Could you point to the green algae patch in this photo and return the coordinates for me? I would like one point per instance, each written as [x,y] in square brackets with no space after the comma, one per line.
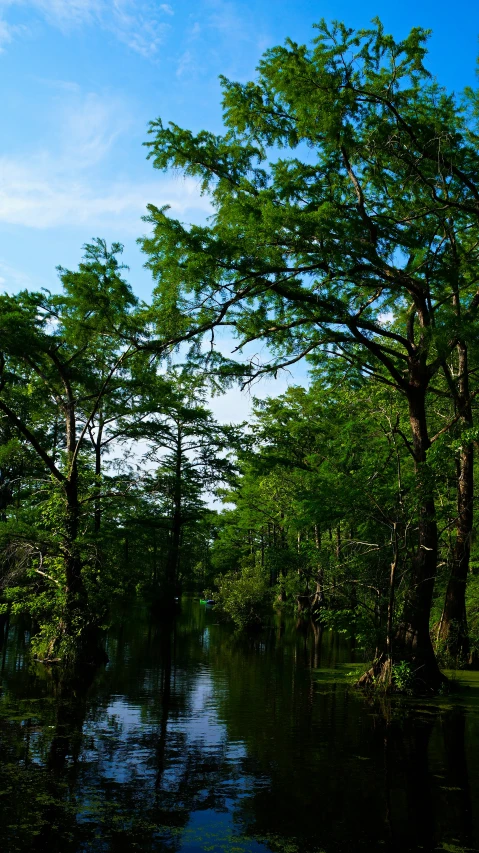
[278,844]
[342,673]
[464,679]
[463,688]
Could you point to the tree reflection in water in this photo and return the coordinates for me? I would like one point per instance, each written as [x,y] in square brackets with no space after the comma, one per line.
[194,739]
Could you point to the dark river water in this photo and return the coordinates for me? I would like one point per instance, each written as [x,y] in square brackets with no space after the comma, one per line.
[192,739]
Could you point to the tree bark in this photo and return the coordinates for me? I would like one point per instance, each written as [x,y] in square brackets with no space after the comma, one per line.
[453,633]
[173,560]
[97,522]
[318,596]
[75,590]
[392,586]
[412,641]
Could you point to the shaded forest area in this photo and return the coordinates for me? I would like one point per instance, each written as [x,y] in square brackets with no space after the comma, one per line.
[344,231]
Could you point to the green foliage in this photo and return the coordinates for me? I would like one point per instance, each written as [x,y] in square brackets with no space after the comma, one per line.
[244,597]
[472,605]
[345,212]
[403,676]
[79,530]
[356,623]
[344,190]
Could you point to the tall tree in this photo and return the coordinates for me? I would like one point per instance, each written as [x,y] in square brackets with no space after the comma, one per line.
[191,451]
[53,342]
[358,243]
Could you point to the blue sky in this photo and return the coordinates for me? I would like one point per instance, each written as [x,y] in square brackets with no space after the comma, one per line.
[81,79]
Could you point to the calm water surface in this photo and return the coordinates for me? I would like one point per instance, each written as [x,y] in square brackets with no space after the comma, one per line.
[192,739]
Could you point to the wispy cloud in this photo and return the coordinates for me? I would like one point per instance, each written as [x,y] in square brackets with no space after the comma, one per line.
[187,64]
[140,24]
[12,277]
[5,34]
[61,85]
[221,28]
[61,186]
[8,32]
[41,196]
[65,13]
[89,127]
[225,18]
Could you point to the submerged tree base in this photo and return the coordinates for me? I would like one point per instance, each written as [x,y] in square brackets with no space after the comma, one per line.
[402,677]
[58,645]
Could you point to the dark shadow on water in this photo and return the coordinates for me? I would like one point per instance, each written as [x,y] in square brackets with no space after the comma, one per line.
[196,739]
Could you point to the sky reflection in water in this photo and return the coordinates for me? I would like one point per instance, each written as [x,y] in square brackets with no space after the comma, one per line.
[195,740]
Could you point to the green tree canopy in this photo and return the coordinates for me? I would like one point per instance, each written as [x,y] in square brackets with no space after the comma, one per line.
[345,202]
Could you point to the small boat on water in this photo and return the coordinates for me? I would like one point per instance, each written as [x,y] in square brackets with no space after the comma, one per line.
[209,601]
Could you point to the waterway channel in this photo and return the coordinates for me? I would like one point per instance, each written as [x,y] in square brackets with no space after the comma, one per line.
[197,740]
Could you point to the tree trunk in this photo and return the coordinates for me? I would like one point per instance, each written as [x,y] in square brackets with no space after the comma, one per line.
[74,582]
[412,642]
[282,568]
[318,596]
[76,598]
[173,560]
[392,585]
[155,568]
[453,625]
[97,523]
[72,563]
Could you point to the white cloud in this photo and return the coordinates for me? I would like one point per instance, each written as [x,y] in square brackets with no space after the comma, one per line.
[61,13]
[137,24]
[226,19]
[12,278]
[43,194]
[187,64]
[140,24]
[61,85]
[6,34]
[66,13]
[90,126]
[65,186]
[8,31]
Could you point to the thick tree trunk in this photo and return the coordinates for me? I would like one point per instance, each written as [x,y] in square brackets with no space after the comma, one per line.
[453,633]
[318,596]
[412,641]
[453,626]
[97,523]
[392,589]
[76,622]
[72,563]
[74,582]
[172,566]
[174,551]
